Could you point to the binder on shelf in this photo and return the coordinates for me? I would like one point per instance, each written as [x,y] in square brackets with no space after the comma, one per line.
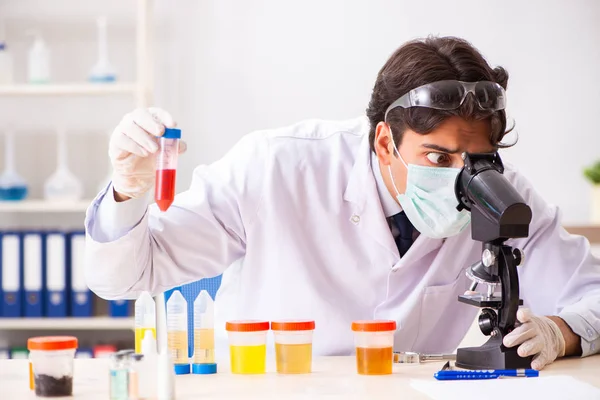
[33,257]
[118,308]
[10,265]
[4,354]
[56,275]
[84,352]
[81,296]
[19,353]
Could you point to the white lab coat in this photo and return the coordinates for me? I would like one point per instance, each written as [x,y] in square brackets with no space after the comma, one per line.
[292,218]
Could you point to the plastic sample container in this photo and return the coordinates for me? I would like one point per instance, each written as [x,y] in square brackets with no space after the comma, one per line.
[247,346]
[51,359]
[166,168]
[293,346]
[374,341]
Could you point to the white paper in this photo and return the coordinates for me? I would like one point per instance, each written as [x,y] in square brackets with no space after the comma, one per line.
[557,387]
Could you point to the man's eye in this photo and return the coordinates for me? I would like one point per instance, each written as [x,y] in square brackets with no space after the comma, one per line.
[438,158]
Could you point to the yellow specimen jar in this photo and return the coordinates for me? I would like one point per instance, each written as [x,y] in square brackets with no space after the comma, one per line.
[247,346]
[293,346]
[374,342]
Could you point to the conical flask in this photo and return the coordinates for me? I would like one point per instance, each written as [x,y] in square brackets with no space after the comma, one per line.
[62,185]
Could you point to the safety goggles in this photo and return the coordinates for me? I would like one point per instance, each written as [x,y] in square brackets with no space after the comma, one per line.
[449,95]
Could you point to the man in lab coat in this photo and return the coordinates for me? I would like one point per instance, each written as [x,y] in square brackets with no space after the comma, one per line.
[347,220]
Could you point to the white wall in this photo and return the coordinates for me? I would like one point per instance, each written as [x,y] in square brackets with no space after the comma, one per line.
[227,67]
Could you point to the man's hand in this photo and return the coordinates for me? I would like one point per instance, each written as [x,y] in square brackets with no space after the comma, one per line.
[540,337]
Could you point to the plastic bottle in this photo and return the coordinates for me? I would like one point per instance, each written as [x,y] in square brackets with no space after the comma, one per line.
[177,331]
[145,319]
[204,335]
[166,374]
[12,186]
[102,71]
[38,70]
[62,185]
[166,167]
[148,368]
[6,64]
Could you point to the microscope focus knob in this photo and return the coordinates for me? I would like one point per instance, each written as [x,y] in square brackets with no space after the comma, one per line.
[487,321]
[488,258]
[519,256]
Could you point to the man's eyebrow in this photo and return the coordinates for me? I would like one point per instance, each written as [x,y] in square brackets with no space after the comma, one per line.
[440,148]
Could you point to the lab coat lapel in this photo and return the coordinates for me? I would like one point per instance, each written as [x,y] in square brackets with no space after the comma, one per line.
[362,192]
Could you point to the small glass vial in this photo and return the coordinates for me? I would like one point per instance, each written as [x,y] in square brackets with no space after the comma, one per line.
[135,366]
[166,167]
[119,376]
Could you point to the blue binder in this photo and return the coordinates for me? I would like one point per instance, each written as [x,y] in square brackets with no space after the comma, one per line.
[84,352]
[118,308]
[55,288]
[33,257]
[10,265]
[81,296]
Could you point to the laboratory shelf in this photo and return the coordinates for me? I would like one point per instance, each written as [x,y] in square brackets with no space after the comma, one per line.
[44,206]
[92,323]
[84,89]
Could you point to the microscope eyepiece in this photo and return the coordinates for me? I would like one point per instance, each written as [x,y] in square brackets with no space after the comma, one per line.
[498,211]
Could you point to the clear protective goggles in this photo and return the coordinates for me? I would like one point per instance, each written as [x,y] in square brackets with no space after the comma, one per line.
[449,95]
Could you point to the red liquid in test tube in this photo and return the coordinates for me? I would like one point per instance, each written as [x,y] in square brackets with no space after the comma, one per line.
[166,167]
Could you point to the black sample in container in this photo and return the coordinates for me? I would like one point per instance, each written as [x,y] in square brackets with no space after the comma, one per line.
[49,386]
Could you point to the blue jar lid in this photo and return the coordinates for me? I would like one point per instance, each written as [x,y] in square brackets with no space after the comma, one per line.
[182,369]
[172,133]
[204,369]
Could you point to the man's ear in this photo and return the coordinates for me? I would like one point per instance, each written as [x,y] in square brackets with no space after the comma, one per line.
[384,148]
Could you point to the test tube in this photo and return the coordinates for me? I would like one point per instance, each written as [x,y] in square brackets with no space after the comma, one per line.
[177,335]
[145,318]
[166,166]
[204,335]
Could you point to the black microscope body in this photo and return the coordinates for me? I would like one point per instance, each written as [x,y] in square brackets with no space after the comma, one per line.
[498,213]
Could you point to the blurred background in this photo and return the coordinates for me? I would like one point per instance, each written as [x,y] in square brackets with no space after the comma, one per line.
[224,68]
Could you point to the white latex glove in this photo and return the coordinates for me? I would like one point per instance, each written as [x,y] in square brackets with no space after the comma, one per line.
[539,336]
[132,149]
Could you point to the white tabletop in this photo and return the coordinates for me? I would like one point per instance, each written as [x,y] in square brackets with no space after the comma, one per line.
[332,378]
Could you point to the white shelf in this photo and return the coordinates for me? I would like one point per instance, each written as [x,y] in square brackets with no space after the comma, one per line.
[92,323]
[44,206]
[85,89]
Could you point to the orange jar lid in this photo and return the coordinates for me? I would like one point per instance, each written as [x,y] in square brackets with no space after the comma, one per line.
[374,326]
[247,326]
[52,343]
[293,325]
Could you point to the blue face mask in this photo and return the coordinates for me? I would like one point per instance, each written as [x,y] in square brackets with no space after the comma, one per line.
[429,201]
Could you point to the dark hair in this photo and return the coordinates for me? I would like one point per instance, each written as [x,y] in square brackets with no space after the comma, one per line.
[429,60]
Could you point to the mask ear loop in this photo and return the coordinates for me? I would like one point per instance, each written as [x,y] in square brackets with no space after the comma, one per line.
[399,156]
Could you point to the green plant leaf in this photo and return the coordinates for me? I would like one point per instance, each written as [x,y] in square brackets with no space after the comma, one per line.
[593,173]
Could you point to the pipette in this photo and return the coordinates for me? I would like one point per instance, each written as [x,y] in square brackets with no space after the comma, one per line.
[12,186]
[103,71]
[145,319]
[204,335]
[62,185]
[177,329]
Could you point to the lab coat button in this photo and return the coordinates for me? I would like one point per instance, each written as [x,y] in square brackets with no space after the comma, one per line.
[589,332]
[355,219]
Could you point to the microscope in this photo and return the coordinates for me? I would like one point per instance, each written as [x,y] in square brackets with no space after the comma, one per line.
[498,213]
